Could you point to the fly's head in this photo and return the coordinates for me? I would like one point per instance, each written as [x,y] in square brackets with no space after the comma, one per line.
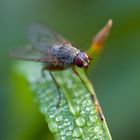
[81,60]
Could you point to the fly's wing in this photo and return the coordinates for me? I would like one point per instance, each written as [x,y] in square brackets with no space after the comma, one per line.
[30,54]
[42,38]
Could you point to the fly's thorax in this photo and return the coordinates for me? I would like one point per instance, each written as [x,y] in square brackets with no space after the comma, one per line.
[65,53]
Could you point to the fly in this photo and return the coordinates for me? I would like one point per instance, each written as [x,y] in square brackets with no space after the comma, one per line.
[51,48]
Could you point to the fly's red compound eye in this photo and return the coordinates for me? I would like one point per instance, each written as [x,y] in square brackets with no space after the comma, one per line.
[81,60]
[78,61]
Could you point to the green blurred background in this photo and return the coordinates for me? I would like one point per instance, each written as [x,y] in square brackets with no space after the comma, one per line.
[116,76]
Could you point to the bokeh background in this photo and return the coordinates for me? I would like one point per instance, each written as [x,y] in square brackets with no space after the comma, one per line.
[116,76]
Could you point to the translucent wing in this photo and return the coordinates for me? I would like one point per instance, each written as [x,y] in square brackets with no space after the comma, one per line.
[30,54]
[42,38]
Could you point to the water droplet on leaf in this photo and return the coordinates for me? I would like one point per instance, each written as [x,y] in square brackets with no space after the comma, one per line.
[80,121]
[59,118]
[77,132]
[53,126]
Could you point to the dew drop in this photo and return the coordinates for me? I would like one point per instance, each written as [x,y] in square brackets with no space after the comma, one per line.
[97,129]
[70,127]
[87,95]
[98,137]
[43,109]
[77,132]
[82,112]
[88,108]
[84,103]
[93,118]
[87,138]
[63,138]
[66,120]
[59,118]
[92,112]
[78,101]
[91,135]
[76,110]
[67,123]
[61,126]
[80,121]
[53,126]
[52,116]
[89,123]
[68,133]
[89,102]
[63,132]
[63,102]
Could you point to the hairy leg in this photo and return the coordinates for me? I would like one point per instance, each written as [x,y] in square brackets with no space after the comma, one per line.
[58,89]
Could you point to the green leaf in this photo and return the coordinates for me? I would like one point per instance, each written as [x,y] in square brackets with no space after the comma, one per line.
[78,115]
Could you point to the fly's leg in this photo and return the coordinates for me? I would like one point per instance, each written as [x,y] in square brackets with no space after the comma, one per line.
[58,88]
[42,72]
[55,82]
[74,70]
[93,98]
